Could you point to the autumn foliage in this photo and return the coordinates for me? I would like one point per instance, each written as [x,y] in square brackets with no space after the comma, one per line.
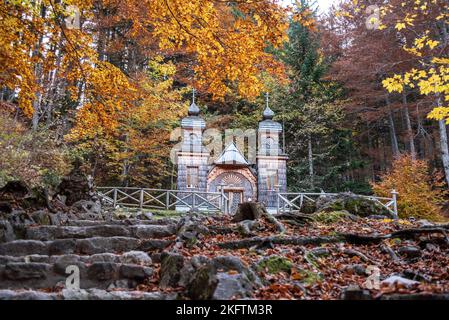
[420,195]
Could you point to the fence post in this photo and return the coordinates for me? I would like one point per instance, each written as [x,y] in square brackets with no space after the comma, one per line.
[193,201]
[141,199]
[167,200]
[223,201]
[115,197]
[395,203]
[277,203]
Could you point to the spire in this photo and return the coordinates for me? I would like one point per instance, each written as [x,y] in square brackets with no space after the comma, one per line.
[268,114]
[193,109]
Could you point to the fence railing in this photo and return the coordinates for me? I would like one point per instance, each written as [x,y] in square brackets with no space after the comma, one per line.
[191,200]
[159,199]
[290,201]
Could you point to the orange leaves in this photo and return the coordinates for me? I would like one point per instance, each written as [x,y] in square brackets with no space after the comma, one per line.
[228,40]
[413,182]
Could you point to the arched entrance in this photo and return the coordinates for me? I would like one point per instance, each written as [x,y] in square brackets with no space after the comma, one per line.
[238,184]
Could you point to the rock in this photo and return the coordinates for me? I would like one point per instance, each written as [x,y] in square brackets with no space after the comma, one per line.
[170,272]
[432,247]
[354,204]
[104,257]
[136,257]
[88,208]
[41,217]
[62,246]
[154,244]
[26,271]
[72,294]
[23,248]
[233,286]
[410,252]
[354,292]
[62,262]
[6,231]
[26,295]
[150,231]
[75,187]
[230,263]
[275,264]
[14,190]
[203,284]
[135,272]
[5,207]
[101,244]
[308,206]
[397,280]
[103,271]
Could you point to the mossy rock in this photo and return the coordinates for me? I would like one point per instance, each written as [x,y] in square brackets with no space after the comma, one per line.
[308,207]
[275,264]
[353,204]
[308,277]
[330,217]
[203,284]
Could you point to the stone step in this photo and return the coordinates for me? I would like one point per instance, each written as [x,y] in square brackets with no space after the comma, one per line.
[88,246]
[77,232]
[90,294]
[102,275]
[127,222]
[130,257]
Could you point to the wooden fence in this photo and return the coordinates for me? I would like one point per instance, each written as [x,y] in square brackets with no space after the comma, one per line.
[160,199]
[290,201]
[145,198]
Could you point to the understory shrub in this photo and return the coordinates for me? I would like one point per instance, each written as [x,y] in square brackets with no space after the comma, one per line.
[421,194]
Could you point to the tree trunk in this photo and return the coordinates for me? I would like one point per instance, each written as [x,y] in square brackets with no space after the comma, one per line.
[394,139]
[310,158]
[408,127]
[444,148]
[38,77]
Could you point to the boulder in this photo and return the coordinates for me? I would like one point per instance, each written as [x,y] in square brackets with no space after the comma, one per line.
[75,187]
[354,204]
[170,272]
[275,264]
[136,257]
[236,286]
[88,208]
[203,283]
[103,271]
[6,231]
[135,272]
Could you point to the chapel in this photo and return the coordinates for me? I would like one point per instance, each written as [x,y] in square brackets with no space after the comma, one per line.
[230,171]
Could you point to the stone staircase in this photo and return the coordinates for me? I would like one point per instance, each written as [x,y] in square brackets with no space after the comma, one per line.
[113,258]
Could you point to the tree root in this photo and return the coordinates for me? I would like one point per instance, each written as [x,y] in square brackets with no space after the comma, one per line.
[346,237]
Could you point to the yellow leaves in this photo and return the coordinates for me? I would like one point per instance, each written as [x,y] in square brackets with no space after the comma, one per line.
[440,60]
[432,43]
[399,26]
[439,113]
[394,84]
[412,181]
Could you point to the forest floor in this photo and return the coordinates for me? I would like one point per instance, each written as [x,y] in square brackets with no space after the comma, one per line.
[322,260]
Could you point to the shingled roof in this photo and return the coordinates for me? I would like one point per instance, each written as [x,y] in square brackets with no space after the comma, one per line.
[231,155]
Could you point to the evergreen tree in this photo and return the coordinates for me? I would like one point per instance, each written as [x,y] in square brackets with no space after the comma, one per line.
[321,153]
